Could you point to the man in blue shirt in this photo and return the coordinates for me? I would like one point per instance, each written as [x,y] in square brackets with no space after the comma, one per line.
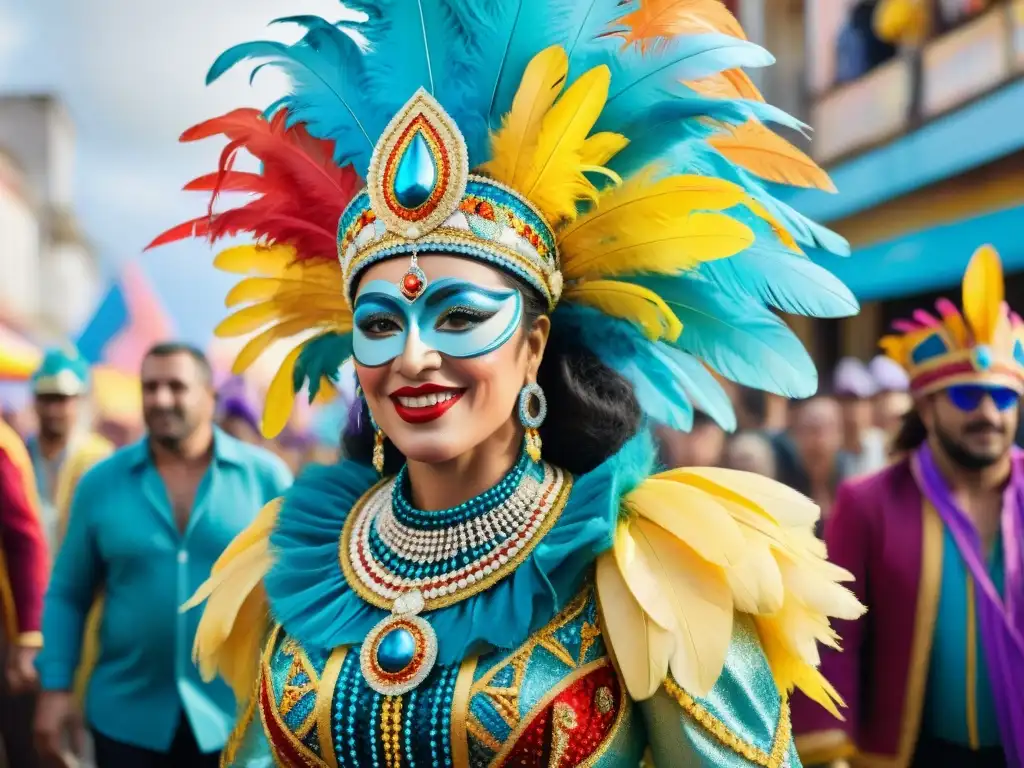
[146,526]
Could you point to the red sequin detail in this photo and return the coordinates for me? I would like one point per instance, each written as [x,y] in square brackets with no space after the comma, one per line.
[592,726]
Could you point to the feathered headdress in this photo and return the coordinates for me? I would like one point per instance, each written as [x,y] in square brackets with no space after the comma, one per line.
[611,154]
[985,344]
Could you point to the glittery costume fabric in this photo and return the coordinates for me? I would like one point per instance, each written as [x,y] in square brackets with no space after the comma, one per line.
[557,700]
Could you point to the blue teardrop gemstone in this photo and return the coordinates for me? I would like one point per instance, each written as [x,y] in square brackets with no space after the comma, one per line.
[416,175]
[396,650]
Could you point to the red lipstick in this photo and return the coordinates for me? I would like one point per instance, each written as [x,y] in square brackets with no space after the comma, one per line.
[422,412]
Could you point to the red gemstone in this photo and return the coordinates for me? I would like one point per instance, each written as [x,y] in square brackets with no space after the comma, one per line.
[411,284]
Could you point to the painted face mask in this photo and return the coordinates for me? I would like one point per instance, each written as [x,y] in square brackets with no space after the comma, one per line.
[454,317]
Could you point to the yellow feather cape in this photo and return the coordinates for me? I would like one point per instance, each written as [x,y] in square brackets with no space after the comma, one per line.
[693,547]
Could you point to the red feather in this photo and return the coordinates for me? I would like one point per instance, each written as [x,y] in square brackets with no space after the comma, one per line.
[301,191]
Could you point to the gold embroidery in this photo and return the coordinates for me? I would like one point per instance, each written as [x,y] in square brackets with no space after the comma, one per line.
[238,733]
[482,585]
[505,699]
[309,758]
[292,693]
[563,721]
[460,713]
[568,681]
[718,729]
[972,671]
[588,634]
[324,699]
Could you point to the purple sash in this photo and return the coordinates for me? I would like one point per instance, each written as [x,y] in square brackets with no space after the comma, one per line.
[1001,619]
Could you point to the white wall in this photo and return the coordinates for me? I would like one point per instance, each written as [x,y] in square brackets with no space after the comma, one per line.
[70,285]
[19,252]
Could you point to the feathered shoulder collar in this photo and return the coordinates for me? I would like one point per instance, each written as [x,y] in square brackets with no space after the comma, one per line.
[677,555]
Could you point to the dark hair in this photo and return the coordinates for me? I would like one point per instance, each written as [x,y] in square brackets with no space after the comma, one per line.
[912,434]
[169,348]
[592,410]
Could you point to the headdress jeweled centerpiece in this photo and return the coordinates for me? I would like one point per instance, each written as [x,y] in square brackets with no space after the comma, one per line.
[420,197]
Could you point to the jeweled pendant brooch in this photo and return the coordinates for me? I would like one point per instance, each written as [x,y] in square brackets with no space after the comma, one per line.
[401,650]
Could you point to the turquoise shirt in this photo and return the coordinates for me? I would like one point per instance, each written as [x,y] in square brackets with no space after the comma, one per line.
[122,539]
[947,712]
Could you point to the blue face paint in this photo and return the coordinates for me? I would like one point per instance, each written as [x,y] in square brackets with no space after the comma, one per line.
[454,317]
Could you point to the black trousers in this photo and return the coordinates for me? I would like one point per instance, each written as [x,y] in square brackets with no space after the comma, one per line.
[934,753]
[184,753]
[16,747]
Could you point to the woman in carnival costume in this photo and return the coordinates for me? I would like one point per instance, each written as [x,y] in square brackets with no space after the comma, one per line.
[550,220]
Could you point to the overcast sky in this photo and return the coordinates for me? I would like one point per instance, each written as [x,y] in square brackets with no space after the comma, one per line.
[132,75]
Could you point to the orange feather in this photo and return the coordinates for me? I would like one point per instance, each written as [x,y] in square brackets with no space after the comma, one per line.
[766,154]
[655,22]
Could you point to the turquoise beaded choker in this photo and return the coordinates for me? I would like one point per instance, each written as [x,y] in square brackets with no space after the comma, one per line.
[409,561]
[409,516]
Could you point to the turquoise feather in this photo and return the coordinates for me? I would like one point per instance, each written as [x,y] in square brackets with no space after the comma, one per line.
[321,357]
[667,382]
[736,336]
[327,74]
[642,79]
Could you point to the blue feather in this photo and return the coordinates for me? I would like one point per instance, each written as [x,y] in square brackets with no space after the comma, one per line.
[429,44]
[321,356]
[641,79]
[788,281]
[736,336]
[666,381]
[518,30]
[327,94]
[705,391]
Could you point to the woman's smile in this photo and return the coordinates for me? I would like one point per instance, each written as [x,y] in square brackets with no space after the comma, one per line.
[424,403]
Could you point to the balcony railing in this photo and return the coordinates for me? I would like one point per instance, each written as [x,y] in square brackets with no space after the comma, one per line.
[918,86]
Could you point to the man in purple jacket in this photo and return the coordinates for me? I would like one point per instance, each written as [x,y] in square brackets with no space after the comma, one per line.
[933,674]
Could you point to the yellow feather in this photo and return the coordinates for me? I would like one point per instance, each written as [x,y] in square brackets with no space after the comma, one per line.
[984,294]
[790,508]
[756,581]
[766,154]
[780,231]
[542,82]
[551,175]
[641,202]
[702,604]
[692,516]
[256,316]
[790,671]
[253,289]
[638,576]
[634,303]
[233,624]
[255,259]
[640,647]
[670,247]
[280,400]
[259,343]
[730,84]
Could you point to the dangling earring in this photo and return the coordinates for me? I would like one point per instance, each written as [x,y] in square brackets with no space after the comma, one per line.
[530,420]
[378,438]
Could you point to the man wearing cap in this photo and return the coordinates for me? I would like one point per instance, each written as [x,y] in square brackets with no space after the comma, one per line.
[62,450]
[932,674]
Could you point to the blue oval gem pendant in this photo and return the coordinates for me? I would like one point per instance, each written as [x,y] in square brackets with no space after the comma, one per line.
[399,652]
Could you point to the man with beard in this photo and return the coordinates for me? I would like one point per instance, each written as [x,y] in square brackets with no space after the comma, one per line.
[932,674]
[146,526]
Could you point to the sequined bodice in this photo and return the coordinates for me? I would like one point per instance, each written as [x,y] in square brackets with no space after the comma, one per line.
[555,701]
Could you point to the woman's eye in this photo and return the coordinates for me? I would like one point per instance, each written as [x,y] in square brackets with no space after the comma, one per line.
[380,326]
[461,319]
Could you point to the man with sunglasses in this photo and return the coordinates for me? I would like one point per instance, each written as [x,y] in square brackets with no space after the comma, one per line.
[933,674]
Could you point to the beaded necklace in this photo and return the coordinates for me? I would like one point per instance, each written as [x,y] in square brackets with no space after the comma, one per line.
[407,560]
